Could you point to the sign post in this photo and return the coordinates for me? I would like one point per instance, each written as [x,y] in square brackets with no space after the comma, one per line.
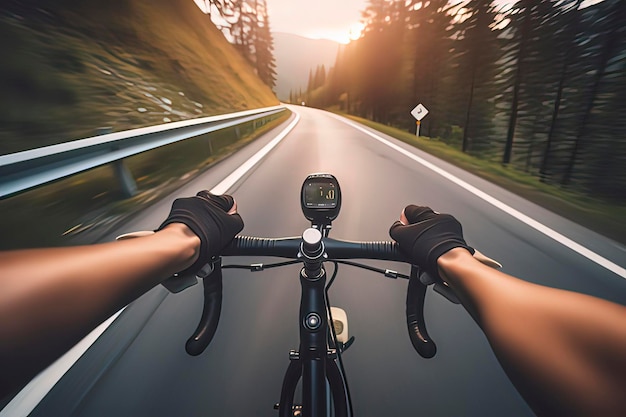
[419,112]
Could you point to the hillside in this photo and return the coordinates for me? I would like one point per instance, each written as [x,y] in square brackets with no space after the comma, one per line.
[70,67]
[296,56]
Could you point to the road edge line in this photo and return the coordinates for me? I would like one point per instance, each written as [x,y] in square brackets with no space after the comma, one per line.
[31,395]
[540,227]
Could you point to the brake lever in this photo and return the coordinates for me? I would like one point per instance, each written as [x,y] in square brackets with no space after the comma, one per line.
[211,275]
[416,325]
[439,286]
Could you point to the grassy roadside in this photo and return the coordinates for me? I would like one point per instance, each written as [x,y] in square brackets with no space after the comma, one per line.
[71,67]
[82,208]
[600,216]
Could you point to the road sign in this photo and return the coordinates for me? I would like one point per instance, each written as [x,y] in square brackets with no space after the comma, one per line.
[419,112]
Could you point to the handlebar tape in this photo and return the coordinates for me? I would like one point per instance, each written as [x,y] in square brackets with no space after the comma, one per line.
[416,325]
[288,247]
[205,331]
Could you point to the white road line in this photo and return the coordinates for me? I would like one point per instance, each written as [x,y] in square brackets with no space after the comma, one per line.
[32,394]
[576,247]
[229,181]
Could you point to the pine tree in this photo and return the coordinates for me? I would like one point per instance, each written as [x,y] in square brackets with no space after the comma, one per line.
[264,46]
[379,58]
[475,57]
[428,62]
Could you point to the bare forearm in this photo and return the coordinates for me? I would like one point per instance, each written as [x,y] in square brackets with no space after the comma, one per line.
[51,298]
[562,350]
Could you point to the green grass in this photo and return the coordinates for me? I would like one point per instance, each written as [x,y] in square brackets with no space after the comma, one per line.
[76,67]
[126,64]
[81,208]
[601,216]
[122,64]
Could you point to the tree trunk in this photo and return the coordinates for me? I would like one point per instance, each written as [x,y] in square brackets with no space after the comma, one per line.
[508,148]
[611,42]
[465,145]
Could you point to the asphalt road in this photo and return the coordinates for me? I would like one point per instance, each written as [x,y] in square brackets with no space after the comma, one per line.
[138,367]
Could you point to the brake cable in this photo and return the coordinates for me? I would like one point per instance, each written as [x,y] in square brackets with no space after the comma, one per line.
[333,333]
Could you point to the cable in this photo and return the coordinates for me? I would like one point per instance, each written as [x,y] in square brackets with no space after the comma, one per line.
[370,268]
[261,267]
[342,370]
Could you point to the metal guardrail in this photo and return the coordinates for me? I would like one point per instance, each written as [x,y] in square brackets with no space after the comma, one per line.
[22,171]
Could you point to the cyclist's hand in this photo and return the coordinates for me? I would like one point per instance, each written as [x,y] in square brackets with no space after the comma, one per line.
[213,218]
[424,236]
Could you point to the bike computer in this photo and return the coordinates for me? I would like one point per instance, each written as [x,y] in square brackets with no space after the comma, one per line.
[320,198]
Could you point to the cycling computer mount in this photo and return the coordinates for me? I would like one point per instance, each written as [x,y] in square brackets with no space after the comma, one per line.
[320,198]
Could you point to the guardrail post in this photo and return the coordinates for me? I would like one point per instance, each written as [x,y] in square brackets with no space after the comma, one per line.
[21,171]
[125,178]
[127,183]
[210,146]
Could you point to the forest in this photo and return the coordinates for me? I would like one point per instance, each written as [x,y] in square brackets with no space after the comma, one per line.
[246,24]
[536,85]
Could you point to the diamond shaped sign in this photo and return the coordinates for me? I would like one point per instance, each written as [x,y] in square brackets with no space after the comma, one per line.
[419,112]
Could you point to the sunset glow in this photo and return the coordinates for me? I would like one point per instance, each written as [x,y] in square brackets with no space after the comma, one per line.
[337,35]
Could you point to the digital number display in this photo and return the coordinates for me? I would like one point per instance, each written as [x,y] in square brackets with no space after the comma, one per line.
[320,198]
[320,194]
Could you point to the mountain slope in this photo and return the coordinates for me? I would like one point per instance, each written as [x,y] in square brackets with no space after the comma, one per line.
[74,66]
[296,56]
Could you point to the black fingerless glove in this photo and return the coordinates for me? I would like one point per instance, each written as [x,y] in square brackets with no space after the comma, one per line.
[207,216]
[427,236]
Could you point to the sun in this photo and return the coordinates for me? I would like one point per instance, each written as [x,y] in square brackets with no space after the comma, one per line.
[343,36]
[356,30]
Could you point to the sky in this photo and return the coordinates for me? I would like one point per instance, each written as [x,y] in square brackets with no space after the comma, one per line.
[337,20]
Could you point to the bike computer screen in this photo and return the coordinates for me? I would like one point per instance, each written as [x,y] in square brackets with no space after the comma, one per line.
[321,197]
